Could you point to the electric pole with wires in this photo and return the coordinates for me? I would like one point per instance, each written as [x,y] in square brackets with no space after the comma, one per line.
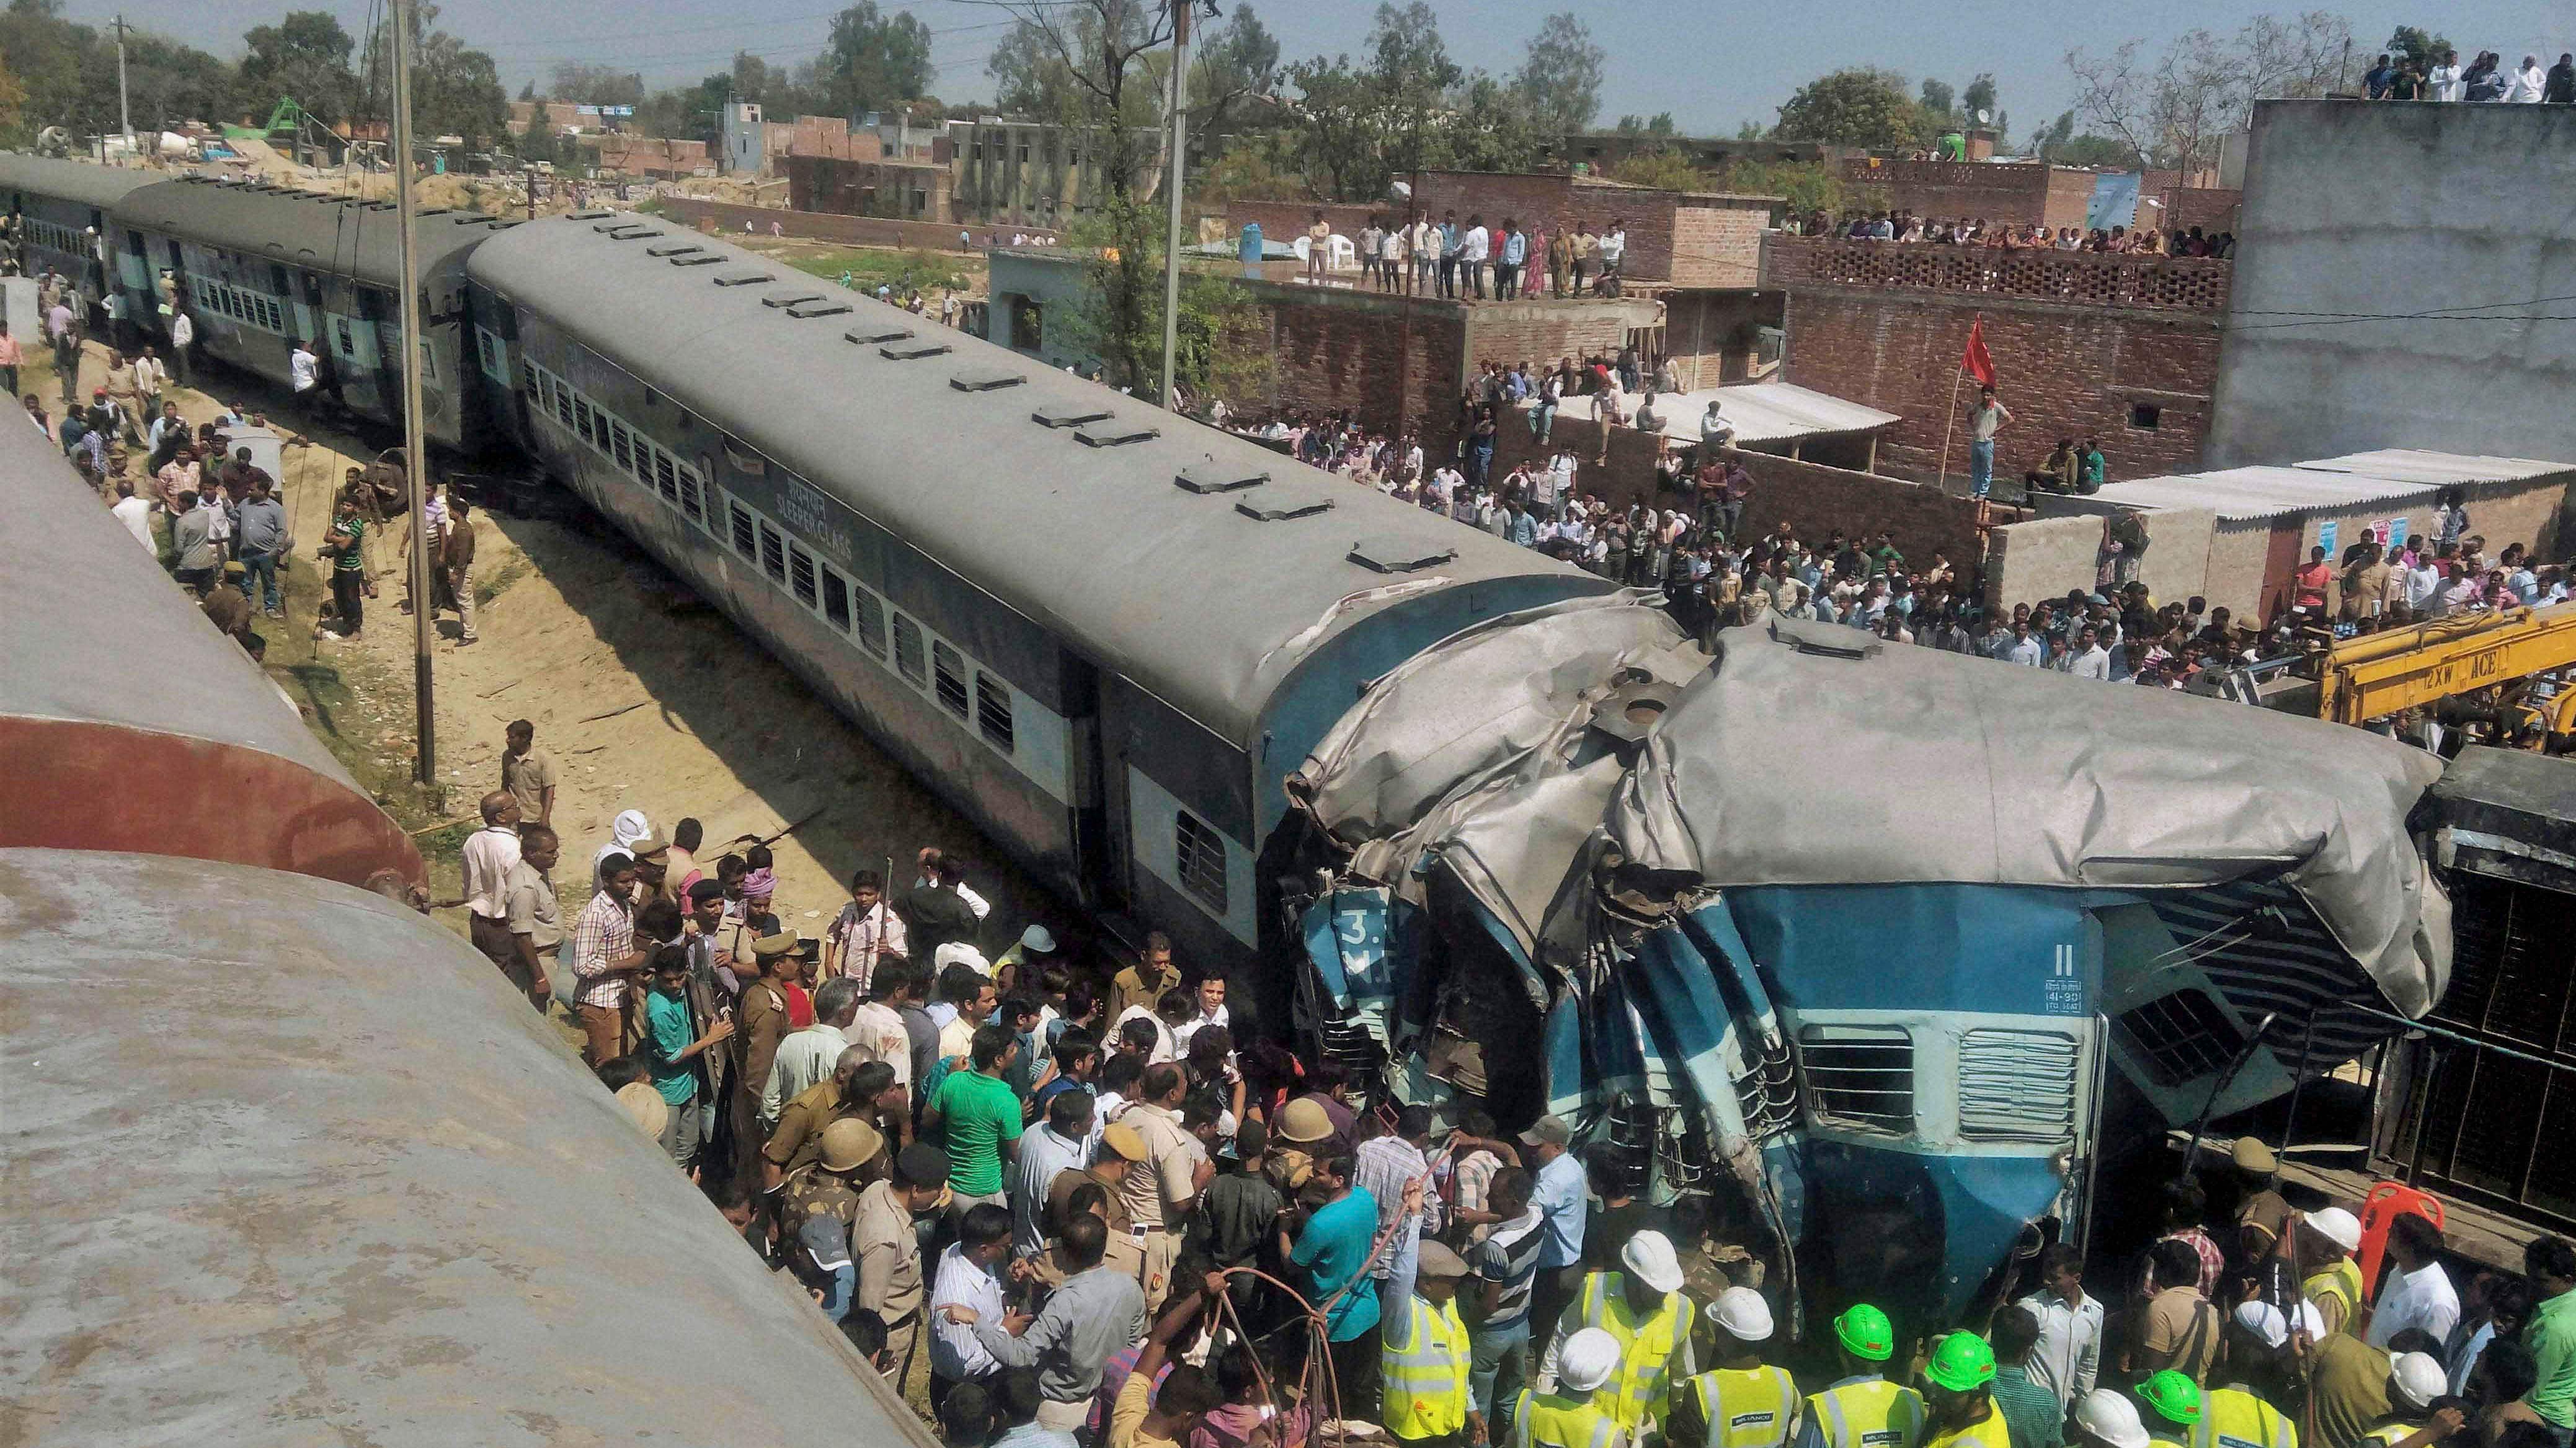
[124,112]
[1180,108]
[424,614]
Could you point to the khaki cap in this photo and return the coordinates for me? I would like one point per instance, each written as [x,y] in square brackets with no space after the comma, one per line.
[1122,1140]
[849,1144]
[778,944]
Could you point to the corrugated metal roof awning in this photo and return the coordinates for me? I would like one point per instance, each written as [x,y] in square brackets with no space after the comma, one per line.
[1766,412]
[2326,485]
[2438,468]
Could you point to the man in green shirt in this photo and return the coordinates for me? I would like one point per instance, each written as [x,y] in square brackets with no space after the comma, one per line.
[2031,1412]
[981,1115]
[2550,1263]
[673,1052]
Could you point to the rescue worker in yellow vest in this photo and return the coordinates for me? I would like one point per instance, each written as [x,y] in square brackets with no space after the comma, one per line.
[1569,1413]
[1958,1404]
[1862,1409]
[2415,1380]
[1422,1374]
[2169,1407]
[2108,1418]
[2241,1415]
[1643,1310]
[1742,1402]
[2328,1277]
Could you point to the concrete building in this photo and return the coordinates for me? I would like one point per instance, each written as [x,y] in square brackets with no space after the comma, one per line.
[745,139]
[1021,173]
[904,190]
[2121,349]
[2396,271]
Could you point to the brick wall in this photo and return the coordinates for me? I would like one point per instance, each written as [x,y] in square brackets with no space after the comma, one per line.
[1348,351]
[2211,208]
[816,226]
[1814,499]
[1717,240]
[2080,278]
[1713,337]
[831,136]
[650,155]
[2064,371]
[2018,193]
[2044,557]
[1510,332]
[867,188]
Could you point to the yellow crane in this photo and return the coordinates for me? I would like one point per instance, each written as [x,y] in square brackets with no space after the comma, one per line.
[2380,674]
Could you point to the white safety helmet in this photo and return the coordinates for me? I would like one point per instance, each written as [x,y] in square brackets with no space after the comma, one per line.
[2337,1226]
[1650,1256]
[2417,1378]
[2108,1417]
[1588,1359]
[1740,1313]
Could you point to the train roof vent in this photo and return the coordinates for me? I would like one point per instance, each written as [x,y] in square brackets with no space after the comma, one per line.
[695,257]
[1208,478]
[812,307]
[382,206]
[591,215]
[993,381]
[503,225]
[744,279]
[1116,434]
[791,299]
[673,248]
[1070,416]
[869,336]
[1275,504]
[913,351]
[469,218]
[1399,555]
[435,211]
[635,233]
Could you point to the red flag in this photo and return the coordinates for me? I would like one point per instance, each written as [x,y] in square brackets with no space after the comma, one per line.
[1977,362]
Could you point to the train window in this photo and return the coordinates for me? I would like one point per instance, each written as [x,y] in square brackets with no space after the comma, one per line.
[993,711]
[1860,1075]
[773,553]
[948,673]
[2181,1037]
[581,419]
[907,651]
[800,575]
[348,346]
[621,446]
[563,403]
[1198,858]
[2017,1085]
[666,477]
[483,348]
[692,500]
[536,390]
[836,600]
[740,517]
[428,359]
[872,624]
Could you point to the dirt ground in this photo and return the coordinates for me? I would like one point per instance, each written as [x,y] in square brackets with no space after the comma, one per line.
[647,698]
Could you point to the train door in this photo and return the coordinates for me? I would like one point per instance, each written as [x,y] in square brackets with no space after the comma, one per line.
[1098,770]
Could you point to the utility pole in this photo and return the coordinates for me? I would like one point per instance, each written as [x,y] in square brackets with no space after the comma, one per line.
[124,112]
[1180,144]
[415,458]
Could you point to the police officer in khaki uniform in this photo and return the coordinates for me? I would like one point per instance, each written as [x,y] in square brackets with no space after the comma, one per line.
[798,1138]
[760,1023]
[887,1248]
[1120,1150]
[830,1187]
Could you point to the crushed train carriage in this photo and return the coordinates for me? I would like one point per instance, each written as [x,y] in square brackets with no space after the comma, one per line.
[1855,946]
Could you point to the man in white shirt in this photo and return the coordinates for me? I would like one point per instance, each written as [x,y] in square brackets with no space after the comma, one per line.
[488,855]
[2088,659]
[966,1279]
[2068,1356]
[2419,1292]
[2444,80]
[2527,81]
[135,514]
[1614,251]
[2022,648]
[809,1055]
[1474,246]
[303,367]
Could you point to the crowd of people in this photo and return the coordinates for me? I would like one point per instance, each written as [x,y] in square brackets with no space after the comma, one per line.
[1905,226]
[2486,79]
[1451,258]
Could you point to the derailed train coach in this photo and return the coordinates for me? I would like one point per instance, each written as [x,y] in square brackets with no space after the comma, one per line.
[1856,947]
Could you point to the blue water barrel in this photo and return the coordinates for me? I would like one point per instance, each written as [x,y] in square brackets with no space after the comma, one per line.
[1251,241]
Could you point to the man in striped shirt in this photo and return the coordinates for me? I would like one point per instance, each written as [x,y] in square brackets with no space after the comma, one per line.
[605,960]
[1505,1268]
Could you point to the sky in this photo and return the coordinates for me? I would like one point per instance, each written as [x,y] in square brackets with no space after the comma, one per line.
[1712,65]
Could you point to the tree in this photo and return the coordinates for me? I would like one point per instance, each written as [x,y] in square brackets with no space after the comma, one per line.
[1231,67]
[2170,108]
[1222,346]
[1560,82]
[538,141]
[455,90]
[1852,108]
[1087,65]
[1979,96]
[594,85]
[528,92]
[1937,98]
[874,62]
[305,55]
[1661,123]
[2417,45]
[1358,127]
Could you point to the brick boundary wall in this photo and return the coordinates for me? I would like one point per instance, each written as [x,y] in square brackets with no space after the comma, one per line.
[725,217]
[1975,274]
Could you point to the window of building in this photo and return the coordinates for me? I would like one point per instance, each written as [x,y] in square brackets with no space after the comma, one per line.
[872,624]
[740,517]
[948,671]
[1860,1075]
[993,711]
[1198,858]
[773,553]
[1028,323]
[2146,416]
[836,601]
[908,659]
[800,575]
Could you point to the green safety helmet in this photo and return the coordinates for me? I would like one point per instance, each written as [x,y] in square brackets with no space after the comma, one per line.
[1962,1363]
[2174,1395]
[1865,1333]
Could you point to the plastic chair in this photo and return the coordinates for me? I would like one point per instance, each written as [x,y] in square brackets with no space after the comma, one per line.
[1340,254]
[2385,1202]
[1302,246]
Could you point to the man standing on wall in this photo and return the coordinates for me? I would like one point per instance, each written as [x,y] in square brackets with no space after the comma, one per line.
[1984,421]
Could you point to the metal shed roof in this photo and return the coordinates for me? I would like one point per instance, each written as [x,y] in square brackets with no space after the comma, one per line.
[2438,468]
[1190,594]
[341,235]
[1767,412]
[2326,485]
[355,1192]
[80,181]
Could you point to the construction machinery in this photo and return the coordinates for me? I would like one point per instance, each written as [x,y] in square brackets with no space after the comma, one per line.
[2518,653]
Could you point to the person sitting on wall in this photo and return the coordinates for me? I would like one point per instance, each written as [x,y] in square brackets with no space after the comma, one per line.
[2058,474]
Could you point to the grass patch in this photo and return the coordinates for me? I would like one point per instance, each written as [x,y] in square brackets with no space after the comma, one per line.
[488,589]
[867,267]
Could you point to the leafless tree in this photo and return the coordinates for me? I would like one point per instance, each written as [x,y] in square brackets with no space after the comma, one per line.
[2174,107]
